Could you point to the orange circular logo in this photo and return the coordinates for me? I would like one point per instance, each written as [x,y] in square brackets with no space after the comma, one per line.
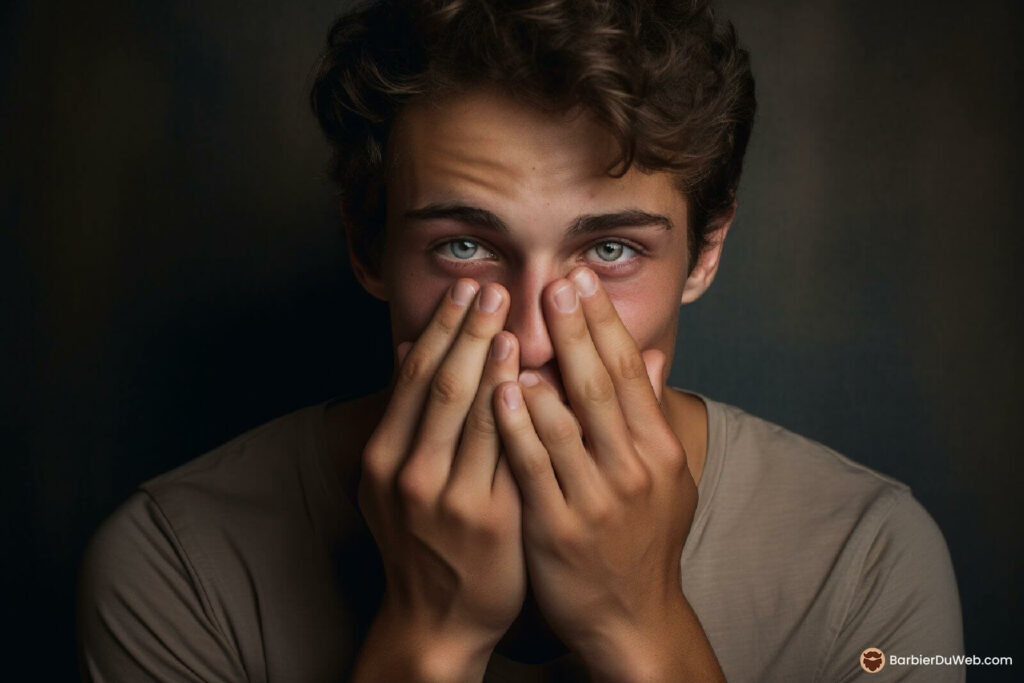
[872,660]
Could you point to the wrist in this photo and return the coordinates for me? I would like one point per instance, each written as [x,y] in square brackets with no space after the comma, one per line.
[402,647]
[669,645]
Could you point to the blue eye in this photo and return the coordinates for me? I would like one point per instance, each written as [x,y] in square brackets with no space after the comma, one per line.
[610,252]
[464,250]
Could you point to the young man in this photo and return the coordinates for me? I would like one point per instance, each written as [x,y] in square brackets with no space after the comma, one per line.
[534,189]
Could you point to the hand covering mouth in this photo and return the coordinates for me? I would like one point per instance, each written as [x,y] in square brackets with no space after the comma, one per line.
[550,373]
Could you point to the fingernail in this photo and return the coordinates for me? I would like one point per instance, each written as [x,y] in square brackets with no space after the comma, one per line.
[529,379]
[566,299]
[512,397]
[463,293]
[586,283]
[490,299]
[500,347]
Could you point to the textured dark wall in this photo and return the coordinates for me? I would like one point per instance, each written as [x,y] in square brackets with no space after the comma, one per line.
[173,274]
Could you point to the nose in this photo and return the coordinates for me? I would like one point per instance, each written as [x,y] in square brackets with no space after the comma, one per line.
[526,318]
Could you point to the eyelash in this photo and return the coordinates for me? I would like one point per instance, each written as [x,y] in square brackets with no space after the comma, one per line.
[618,263]
[447,244]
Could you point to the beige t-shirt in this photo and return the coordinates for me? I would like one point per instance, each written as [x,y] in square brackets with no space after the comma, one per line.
[251,564]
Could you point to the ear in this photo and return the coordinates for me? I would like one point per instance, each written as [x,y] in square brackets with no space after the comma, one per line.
[369,275]
[369,278]
[703,273]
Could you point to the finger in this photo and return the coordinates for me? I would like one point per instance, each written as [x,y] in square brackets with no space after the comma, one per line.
[588,385]
[618,351]
[456,383]
[390,440]
[400,353]
[525,453]
[504,484]
[477,456]
[558,431]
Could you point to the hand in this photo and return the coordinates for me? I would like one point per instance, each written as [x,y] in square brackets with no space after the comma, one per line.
[442,505]
[608,498]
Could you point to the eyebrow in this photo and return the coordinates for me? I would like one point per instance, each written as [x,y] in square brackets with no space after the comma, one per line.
[583,225]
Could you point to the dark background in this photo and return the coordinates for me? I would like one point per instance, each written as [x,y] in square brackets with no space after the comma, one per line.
[173,273]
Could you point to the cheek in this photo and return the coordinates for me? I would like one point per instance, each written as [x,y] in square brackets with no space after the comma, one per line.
[414,298]
[649,313]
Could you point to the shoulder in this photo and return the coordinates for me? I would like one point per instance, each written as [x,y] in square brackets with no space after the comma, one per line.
[256,495]
[176,575]
[245,477]
[846,558]
[900,596]
[244,502]
[755,462]
[774,480]
[143,612]
[258,464]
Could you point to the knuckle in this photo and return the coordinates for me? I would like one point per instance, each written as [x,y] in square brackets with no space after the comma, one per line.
[481,420]
[448,319]
[374,465]
[453,508]
[675,458]
[447,387]
[374,469]
[534,466]
[562,432]
[412,486]
[518,432]
[631,366]
[599,389]
[477,330]
[373,452]
[599,511]
[577,330]
[669,456]
[565,535]
[414,368]
[636,481]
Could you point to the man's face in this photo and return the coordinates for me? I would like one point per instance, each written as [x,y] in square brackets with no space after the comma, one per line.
[484,187]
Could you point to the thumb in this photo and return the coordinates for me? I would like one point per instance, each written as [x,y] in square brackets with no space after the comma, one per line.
[654,360]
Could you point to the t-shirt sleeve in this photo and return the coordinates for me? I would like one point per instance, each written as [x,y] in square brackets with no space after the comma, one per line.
[903,601]
[143,614]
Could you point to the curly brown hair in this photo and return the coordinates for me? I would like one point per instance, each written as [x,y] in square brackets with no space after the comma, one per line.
[669,83]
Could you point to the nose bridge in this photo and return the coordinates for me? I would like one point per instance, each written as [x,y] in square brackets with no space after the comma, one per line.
[526,317]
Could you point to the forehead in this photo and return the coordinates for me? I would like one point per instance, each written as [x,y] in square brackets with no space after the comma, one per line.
[521,162]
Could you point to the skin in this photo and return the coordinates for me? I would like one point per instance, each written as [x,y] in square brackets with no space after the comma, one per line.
[552,448]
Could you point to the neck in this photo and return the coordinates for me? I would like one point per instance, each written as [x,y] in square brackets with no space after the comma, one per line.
[688,417]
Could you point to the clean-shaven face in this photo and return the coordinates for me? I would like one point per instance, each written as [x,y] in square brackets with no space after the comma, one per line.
[485,187]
